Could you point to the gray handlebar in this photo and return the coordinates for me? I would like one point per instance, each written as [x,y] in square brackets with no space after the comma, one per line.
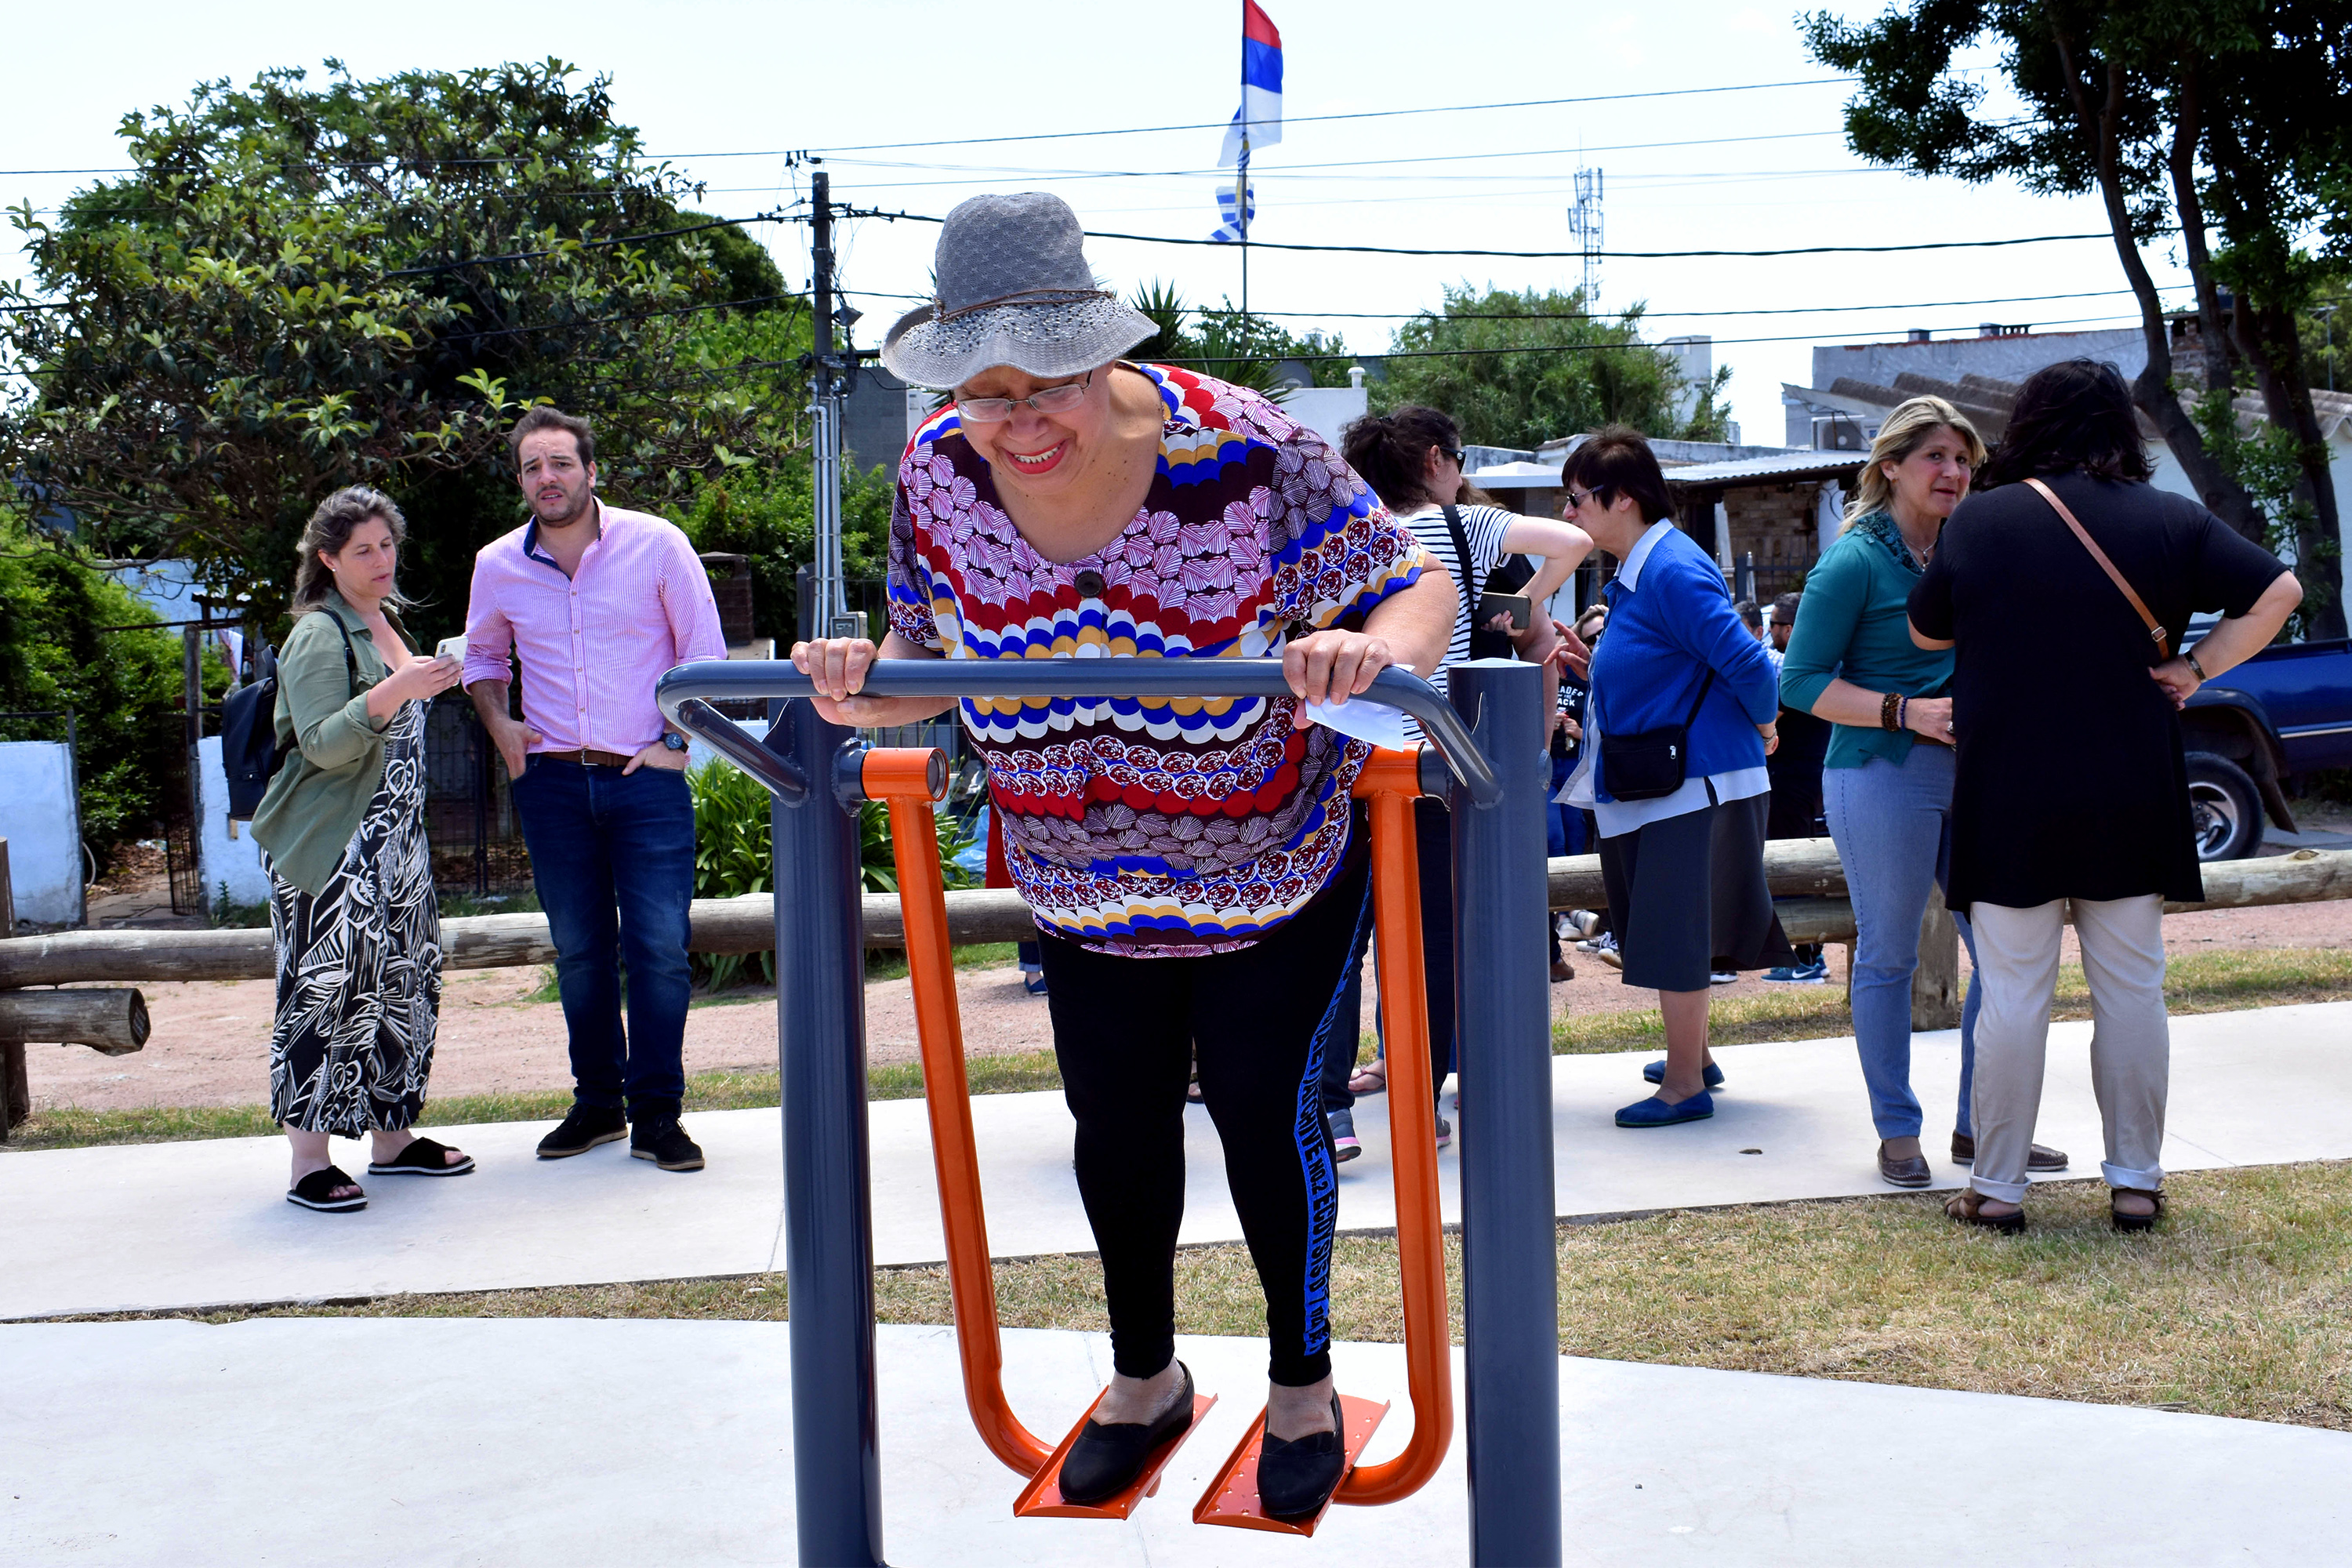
[715,680]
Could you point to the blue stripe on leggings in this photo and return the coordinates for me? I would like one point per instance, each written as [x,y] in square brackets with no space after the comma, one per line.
[1315,1152]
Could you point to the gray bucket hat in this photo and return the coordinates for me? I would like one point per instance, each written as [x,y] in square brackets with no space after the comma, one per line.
[1013,289]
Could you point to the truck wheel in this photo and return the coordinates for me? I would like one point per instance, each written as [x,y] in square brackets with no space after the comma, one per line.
[2225,810]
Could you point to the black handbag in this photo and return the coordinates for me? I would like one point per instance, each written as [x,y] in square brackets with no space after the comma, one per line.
[1652,764]
[1483,644]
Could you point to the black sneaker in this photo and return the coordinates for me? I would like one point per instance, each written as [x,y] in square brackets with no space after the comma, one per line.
[662,1140]
[582,1129]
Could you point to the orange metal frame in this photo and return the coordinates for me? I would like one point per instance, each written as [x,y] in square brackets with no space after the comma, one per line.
[905,781]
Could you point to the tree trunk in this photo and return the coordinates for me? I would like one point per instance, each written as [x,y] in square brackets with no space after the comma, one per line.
[2152,390]
[2268,337]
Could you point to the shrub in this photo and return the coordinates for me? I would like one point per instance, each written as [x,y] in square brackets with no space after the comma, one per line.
[732,855]
[72,636]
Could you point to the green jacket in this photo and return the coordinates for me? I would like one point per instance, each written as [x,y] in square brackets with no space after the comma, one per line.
[322,790]
[1856,623]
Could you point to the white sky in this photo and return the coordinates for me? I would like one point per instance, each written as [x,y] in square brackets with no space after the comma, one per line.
[705,79]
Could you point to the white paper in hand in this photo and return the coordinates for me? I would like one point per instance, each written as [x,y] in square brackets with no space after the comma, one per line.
[1377,722]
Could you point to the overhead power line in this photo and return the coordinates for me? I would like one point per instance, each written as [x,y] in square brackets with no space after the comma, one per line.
[1124,131]
[1570,255]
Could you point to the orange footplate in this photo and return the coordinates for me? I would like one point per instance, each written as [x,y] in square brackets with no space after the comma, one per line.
[1231,1498]
[1042,1498]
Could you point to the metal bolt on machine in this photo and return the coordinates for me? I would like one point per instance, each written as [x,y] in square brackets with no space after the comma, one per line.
[1488,759]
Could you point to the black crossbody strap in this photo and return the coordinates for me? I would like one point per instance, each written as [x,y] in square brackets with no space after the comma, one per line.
[1462,554]
[1699,701]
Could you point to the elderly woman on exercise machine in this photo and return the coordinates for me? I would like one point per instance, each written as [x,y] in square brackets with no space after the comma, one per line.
[1190,863]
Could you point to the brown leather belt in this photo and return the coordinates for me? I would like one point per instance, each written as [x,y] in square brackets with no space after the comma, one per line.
[593,758]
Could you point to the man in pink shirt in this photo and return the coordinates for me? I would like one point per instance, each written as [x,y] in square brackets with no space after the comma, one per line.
[596,603]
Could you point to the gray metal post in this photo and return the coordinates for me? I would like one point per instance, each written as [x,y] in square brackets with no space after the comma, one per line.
[828,1208]
[1511,1284]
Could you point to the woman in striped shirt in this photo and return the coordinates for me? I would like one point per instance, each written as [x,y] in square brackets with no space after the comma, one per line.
[1412,459]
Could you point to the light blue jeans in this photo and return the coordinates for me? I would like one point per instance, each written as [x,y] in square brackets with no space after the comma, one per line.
[1892,823]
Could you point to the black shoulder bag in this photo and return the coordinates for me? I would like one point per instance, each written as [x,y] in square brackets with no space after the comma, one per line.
[1483,644]
[250,754]
[1650,764]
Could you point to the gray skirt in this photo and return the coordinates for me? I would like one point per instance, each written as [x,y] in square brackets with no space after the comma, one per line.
[1687,895]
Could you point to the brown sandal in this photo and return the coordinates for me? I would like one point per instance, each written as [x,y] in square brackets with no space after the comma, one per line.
[1967,1206]
[2123,1221]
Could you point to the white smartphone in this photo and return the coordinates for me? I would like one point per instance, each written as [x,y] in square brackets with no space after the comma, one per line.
[451,647]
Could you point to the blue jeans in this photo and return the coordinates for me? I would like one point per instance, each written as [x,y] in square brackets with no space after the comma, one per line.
[1893,825]
[613,860]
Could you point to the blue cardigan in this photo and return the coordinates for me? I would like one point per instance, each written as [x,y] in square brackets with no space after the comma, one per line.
[1669,623]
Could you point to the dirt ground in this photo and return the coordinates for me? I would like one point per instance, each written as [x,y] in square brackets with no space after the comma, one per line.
[211,1041]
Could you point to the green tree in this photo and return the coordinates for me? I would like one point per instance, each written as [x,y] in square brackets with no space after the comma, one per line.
[71,637]
[1518,368]
[1245,349]
[363,281]
[2220,118]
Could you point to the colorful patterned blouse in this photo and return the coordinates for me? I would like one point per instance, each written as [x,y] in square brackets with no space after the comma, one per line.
[1157,828]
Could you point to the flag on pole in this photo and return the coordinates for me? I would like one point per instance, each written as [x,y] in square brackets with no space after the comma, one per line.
[1258,123]
[1237,222]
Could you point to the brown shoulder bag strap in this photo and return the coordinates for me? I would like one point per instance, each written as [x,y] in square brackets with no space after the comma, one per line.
[2155,627]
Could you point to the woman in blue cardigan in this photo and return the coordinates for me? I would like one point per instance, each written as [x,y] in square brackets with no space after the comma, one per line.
[1681,856]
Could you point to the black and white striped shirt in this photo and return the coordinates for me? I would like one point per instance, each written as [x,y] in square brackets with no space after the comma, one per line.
[1483,527]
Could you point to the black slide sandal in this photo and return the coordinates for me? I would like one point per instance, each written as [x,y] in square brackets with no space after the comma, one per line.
[311,1193]
[422,1157]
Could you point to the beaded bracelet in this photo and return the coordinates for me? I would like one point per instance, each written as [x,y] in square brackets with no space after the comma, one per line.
[1888,706]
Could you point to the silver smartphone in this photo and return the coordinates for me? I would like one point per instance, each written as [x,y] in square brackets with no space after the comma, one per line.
[451,647]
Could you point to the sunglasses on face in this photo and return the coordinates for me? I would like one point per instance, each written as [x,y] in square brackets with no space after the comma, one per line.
[1461,457]
[1575,498]
[1047,400]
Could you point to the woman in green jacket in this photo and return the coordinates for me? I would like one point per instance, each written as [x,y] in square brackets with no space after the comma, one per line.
[1886,784]
[352,911]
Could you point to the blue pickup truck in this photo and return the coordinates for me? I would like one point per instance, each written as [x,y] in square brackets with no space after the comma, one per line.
[2285,711]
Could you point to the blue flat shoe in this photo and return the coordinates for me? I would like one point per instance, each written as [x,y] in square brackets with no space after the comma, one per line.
[1656,1112]
[1656,1073]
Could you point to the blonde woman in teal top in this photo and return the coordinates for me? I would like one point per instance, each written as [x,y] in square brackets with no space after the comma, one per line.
[1886,787]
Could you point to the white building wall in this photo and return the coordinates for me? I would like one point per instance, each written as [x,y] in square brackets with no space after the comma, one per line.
[1326,410]
[225,858]
[40,816]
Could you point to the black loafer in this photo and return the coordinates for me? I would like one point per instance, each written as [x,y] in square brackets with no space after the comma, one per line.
[1296,1477]
[1107,1458]
[1910,1173]
[582,1128]
[2039,1157]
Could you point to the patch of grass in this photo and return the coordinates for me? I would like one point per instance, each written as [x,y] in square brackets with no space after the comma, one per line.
[890,962]
[2236,1306]
[2218,981]
[1019,1072]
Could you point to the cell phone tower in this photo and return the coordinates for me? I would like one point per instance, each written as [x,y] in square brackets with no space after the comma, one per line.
[1584,222]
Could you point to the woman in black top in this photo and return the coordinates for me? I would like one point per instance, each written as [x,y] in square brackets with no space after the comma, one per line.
[2071,781]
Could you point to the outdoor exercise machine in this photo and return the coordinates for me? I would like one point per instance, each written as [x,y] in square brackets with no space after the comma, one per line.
[1488,759]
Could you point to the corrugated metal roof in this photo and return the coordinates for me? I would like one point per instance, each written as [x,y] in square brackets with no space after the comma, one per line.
[1785,466]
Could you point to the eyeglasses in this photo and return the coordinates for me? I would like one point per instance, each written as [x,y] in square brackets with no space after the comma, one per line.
[1575,498]
[1461,457]
[1047,400]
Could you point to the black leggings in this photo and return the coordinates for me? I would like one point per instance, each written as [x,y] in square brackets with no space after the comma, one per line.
[1258,1022]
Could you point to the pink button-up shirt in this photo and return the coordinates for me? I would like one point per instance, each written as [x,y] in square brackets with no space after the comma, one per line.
[592,644]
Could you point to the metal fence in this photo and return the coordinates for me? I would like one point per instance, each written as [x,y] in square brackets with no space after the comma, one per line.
[470,818]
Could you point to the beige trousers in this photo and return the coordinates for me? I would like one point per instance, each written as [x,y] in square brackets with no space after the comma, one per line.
[2131,1047]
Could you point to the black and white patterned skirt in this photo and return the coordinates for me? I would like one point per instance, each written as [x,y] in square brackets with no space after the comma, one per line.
[359,965]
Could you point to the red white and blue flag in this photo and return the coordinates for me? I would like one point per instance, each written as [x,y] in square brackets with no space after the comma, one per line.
[1257,124]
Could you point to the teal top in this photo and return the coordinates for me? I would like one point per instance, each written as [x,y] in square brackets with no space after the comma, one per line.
[1854,624]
